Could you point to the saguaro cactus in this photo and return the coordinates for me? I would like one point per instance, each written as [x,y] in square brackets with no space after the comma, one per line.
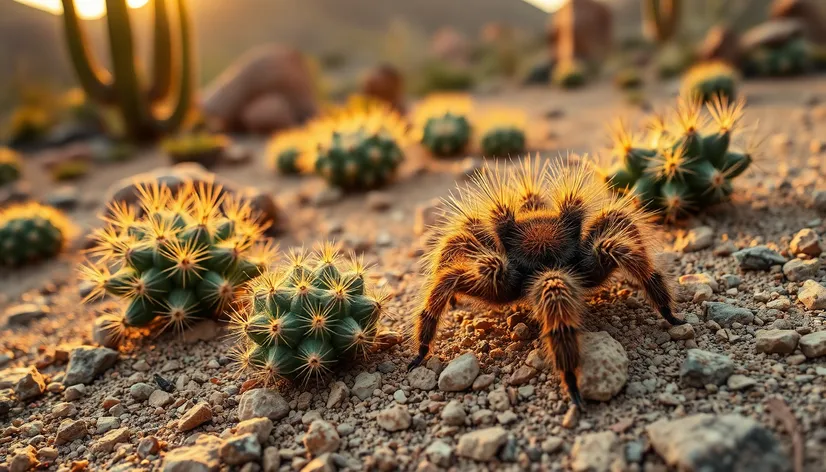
[662,17]
[139,105]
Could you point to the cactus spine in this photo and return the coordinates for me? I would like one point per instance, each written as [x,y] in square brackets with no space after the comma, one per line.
[122,86]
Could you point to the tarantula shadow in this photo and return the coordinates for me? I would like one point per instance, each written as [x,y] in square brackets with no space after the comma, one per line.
[545,236]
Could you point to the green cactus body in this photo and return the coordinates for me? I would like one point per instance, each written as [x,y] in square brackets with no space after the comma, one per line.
[569,74]
[9,166]
[303,319]
[359,160]
[286,161]
[709,81]
[31,233]
[181,260]
[503,142]
[446,135]
[204,148]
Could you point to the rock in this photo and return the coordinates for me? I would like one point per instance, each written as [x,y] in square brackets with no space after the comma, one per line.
[109,440]
[697,239]
[25,313]
[459,373]
[262,403]
[806,241]
[102,332]
[195,416]
[365,384]
[807,12]
[267,114]
[777,341]
[322,463]
[739,382]
[160,399]
[482,382]
[321,437]
[725,314]
[148,446]
[692,280]
[681,332]
[30,386]
[758,258]
[813,344]
[203,456]
[106,423]
[238,450]
[86,363]
[705,442]
[701,368]
[261,427]
[440,453]
[453,414]
[812,295]
[721,43]
[581,30]
[782,304]
[272,459]
[378,200]
[205,330]
[386,83]
[597,452]
[394,418]
[63,410]
[69,430]
[603,366]
[771,33]
[266,71]
[338,393]
[798,270]
[22,460]
[141,391]
[422,378]
[383,460]
[819,196]
[482,445]
[74,392]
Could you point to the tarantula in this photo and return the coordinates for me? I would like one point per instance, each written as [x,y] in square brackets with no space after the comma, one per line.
[543,236]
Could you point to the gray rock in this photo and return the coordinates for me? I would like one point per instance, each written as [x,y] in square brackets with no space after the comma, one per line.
[30,386]
[681,332]
[321,437]
[394,418]
[338,393]
[365,384]
[696,239]
[597,452]
[106,423]
[422,378]
[739,382]
[203,456]
[440,453]
[758,258]
[777,341]
[69,430]
[453,414]
[272,459]
[86,363]
[238,450]
[460,373]
[709,443]
[604,366]
[322,463]
[798,270]
[812,295]
[261,427]
[814,344]
[141,391]
[482,445]
[262,403]
[111,439]
[701,368]
[199,414]
[160,399]
[725,314]
[25,313]
[74,392]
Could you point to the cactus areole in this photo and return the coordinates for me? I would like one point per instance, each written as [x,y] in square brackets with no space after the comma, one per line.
[148,112]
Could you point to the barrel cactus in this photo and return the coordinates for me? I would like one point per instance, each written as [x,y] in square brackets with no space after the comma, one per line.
[31,232]
[176,257]
[709,80]
[569,74]
[685,167]
[284,151]
[9,166]
[503,134]
[444,124]
[305,317]
[202,147]
[793,57]
[356,148]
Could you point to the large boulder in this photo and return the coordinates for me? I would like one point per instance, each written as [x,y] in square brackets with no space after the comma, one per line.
[771,34]
[810,15]
[582,30]
[268,113]
[266,71]
[385,83]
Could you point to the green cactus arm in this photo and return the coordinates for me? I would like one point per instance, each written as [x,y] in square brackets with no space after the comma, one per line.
[162,51]
[662,17]
[184,98]
[95,80]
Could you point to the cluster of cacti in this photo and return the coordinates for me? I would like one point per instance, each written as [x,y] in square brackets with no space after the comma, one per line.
[305,317]
[29,124]
[201,147]
[683,167]
[709,80]
[569,74]
[178,257]
[358,147]
[444,125]
[284,151]
[31,232]
[503,134]
[9,166]
[790,58]
[122,88]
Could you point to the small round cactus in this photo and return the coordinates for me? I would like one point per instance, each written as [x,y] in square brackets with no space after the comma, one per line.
[684,167]
[628,78]
[358,147]
[9,166]
[503,134]
[444,124]
[284,151]
[569,74]
[709,80]
[176,257]
[29,124]
[306,316]
[30,233]
[204,148]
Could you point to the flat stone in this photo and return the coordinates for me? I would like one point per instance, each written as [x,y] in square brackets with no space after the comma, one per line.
[597,452]
[141,391]
[394,418]
[701,368]
[482,445]
[86,363]
[25,313]
[603,366]
[725,314]
[710,443]
[203,456]
[739,382]
[160,399]
[777,341]
[453,414]
[321,437]
[195,416]
[106,423]
[798,270]
[261,427]
[522,375]
[422,378]
[812,295]
[813,344]
[681,332]
[109,440]
[69,430]
[440,453]
[482,382]
[262,403]
[459,373]
[758,258]
[338,394]
[365,384]
[238,450]
[695,240]
[692,280]
[30,386]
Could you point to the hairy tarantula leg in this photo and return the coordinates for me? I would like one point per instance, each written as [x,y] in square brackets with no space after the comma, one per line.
[558,304]
[658,292]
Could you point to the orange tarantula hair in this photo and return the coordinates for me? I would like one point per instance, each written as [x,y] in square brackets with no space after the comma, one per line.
[544,235]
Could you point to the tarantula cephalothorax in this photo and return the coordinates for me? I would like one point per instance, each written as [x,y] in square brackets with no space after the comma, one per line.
[543,236]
